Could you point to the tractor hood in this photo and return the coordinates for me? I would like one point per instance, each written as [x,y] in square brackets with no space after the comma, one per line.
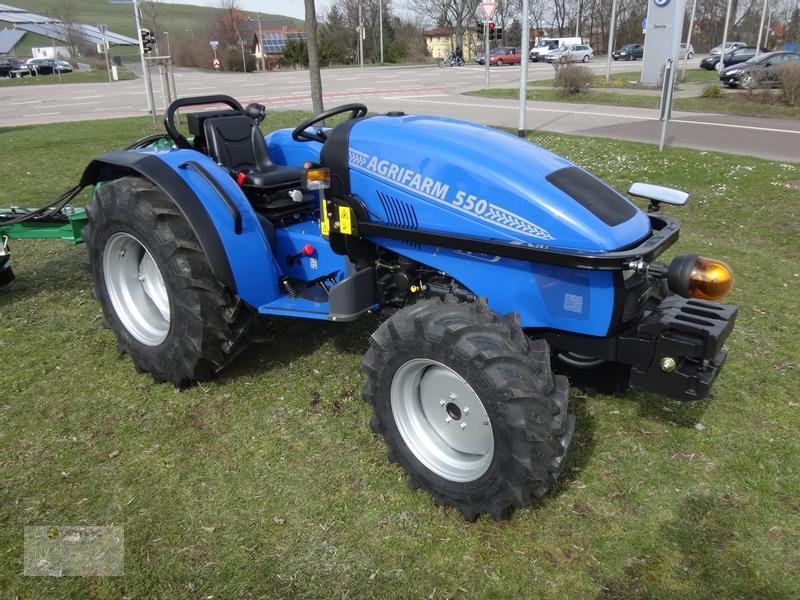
[452,176]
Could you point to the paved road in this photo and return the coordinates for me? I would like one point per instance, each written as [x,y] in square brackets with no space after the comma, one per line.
[424,89]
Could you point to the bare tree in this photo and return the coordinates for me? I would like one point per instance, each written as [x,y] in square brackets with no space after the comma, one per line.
[151,9]
[66,12]
[313,57]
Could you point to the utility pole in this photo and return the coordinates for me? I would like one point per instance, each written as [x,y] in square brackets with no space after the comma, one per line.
[145,69]
[578,19]
[169,50]
[689,39]
[360,36]
[261,43]
[486,49]
[761,27]
[244,63]
[523,72]
[380,24]
[610,48]
[721,63]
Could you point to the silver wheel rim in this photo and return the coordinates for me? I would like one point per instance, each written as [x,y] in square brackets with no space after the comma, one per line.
[442,420]
[136,289]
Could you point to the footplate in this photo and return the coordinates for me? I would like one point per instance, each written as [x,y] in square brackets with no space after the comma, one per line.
[677,350]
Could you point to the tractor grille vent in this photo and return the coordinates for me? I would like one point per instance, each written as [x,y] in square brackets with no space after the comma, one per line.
[399,213]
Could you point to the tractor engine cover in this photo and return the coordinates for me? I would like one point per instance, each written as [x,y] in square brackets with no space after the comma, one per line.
[452,176]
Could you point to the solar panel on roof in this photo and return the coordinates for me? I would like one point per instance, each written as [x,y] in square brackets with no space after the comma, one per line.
[274,42]
[53,28]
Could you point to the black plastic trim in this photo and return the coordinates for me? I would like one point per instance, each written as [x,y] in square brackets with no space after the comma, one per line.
[665,233]
[201,170]
[117,164]
[600,199]
[335,155]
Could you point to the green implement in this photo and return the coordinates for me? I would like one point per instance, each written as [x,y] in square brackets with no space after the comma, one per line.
[66,224]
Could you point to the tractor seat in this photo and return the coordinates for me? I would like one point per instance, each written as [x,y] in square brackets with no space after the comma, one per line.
[237,143]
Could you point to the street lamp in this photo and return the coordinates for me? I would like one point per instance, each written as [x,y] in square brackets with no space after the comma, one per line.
[260,41]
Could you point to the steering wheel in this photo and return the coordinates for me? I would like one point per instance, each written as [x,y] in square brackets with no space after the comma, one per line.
[301,135]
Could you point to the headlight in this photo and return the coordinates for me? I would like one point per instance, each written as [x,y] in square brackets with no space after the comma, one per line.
[694,276]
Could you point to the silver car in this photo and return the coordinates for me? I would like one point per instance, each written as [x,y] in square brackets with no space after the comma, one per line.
[572,53]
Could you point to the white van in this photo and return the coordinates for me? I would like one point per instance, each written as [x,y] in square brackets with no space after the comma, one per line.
[545,45]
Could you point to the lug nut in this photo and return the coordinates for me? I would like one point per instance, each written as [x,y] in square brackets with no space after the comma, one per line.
[465,410]
[447,419]
[463,426]
[668,364]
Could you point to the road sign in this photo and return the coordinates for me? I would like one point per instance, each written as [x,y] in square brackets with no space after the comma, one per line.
[214,44]
[488,9]
[216,63]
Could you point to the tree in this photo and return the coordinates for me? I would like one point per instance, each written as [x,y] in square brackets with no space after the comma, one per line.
[313,57]
[66,12]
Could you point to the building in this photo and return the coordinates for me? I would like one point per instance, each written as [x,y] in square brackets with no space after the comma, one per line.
[441,41]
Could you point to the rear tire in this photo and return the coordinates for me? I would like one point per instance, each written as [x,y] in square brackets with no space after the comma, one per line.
[468,406]
[585,58]
[167,310]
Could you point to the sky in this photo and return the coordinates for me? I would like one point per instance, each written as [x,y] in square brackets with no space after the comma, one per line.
[291,8]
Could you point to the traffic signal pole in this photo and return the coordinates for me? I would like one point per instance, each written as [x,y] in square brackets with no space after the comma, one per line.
[145,69]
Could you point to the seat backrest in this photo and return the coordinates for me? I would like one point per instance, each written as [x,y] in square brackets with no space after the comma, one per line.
[236,142]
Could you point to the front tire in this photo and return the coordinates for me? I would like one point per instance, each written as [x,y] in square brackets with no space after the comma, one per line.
[467,405]
[585,58]
[168,312]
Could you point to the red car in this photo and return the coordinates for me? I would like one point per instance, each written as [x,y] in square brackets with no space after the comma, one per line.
[505,55]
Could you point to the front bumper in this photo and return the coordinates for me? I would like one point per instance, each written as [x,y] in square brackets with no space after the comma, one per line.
[678,349]
[675,350]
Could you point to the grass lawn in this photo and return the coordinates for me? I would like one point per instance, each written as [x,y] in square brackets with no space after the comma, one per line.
[92,76]
[631,79]
[735,103]
[268,482]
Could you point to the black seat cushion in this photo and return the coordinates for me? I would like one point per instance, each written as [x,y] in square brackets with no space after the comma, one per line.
[275,177]
[237,143]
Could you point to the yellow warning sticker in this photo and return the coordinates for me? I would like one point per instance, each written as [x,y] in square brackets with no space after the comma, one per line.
[324,222]
[345,223]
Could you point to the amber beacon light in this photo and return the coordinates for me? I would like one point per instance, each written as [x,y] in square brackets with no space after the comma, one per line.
[694,276]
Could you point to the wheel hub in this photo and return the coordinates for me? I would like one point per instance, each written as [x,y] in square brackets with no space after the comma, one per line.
[442,420]
[136,289]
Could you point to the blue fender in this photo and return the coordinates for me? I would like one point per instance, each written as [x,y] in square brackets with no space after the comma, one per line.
[220,215]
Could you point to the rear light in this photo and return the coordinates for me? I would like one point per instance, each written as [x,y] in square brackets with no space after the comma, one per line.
[317,179]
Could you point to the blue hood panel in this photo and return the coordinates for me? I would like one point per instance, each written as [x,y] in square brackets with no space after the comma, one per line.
[471,179]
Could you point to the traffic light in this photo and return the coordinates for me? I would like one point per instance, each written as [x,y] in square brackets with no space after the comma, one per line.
[495,33]
[148,40]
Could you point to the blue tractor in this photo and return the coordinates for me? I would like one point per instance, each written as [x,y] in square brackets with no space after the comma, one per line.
[503,271]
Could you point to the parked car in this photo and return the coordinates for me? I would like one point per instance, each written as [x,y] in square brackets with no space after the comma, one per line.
[759,71]
[737,56]
[48,66]
[628,52]
[572,53]
[729,47]
[13,67]
[683,51]
[504,55]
